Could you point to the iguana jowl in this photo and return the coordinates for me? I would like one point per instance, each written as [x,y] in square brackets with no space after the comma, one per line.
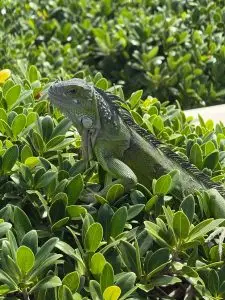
[126,151]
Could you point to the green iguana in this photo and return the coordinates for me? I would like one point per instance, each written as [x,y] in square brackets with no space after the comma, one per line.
[126,151]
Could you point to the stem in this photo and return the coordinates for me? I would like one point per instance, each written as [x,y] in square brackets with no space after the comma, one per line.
[25,295]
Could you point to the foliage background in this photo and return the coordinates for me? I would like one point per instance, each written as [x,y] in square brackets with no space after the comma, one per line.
[170,49]
[139,245]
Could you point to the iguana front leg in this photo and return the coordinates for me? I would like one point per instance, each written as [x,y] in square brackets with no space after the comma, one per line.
[88,136]
[86,146]
[117,169]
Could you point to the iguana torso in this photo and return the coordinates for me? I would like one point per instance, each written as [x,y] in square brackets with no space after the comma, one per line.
[126,151]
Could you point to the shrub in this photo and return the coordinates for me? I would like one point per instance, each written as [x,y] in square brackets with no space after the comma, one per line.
[170,49]
[144,244]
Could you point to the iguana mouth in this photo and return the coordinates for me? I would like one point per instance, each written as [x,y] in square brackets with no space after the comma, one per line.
[53,95]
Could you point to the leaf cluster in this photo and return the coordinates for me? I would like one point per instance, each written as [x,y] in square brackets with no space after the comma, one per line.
[173,50]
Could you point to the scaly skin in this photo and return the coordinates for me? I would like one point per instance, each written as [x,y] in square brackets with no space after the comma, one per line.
[126,151]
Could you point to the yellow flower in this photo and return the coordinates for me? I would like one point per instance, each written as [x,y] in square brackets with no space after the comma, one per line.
[4,75]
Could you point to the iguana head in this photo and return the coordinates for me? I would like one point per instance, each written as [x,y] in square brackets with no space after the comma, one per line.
[83,103]
[76,98]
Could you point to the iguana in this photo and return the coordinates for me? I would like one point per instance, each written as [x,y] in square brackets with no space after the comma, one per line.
[128,152]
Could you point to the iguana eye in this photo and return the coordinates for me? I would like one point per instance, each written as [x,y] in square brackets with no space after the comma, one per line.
[72,92]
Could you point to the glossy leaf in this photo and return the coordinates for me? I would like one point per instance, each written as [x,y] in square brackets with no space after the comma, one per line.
[25,258]
[196,156]
[112,293]
[118,221]
[97,264]
[163,184]
[93,237]
[9,158]
[181,225]
[115,192]
[107,277]
[12,95]
[74,189]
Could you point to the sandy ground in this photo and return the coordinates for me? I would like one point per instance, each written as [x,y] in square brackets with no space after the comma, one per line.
[215,113]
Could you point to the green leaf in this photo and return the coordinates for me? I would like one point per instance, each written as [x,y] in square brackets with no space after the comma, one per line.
[6,279]
[59,224]
[188,207]
[88,220]
[9,158]
[68,250]
[105,214]
[48,282]
[4,289]
[100,199]
[181,225]
[74,189]
[32,162]
[95,290]
[12,243]
[39,268]
[93,237]
[18,124]
[31,118]
[107,277]
[151,202]
[30,240]
[26,152]
[153,52]
[158,123]
[115,192]
[72,281]
[46,179]
[38,142]
[112,293]
[65,293]
[33,73]
[57,210]
[118,221]
[196,155]
[211,160]
[22,223]
[25,259]
[190,272]
[54,142]
[213,282]
[45,250]
[209,147]
[12,95]
[203,228]
[75,211]
[97,264]
[135,98]
[125,281]
[102,83]
[3,115]
[62,127]
[47,127]
[4,228]
[134,210]
[154,230]
[163,280]
[137,117]
[128,252]
[5,128]
[163,184]
[158,259]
